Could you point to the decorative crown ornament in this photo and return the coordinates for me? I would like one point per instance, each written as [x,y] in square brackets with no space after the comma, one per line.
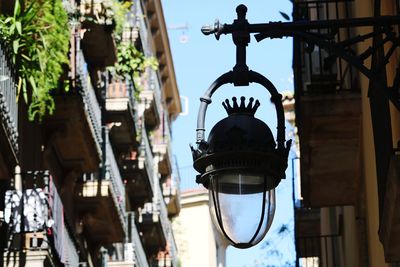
[235,109]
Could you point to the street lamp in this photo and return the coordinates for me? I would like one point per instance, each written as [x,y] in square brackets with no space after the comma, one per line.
[240,163]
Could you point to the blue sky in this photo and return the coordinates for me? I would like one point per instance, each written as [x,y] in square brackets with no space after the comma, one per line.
[199,61]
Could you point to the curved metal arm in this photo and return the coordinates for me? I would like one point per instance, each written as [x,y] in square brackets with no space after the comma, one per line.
[253,76]
[206,99]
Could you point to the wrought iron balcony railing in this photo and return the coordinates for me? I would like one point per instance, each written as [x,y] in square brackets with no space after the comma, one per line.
[156,85]
[162,145]
[167,228]
[323,250]
[140,255]
[171,185]
[131,251]
[146,160]
[171,191]
[142,24]
[172,249]
[8,98]
[122,111]
[158,213]
[90,101]
[176,179]
[71,258]
[35,216]
[320,72]
[118,188]
[163,135]
[150,99]
[112,174]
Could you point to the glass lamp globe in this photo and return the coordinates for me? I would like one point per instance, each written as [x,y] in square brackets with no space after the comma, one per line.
[242,211]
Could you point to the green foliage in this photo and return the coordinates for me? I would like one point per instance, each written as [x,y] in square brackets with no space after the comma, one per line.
[121,10]
[132,63]
[39,37]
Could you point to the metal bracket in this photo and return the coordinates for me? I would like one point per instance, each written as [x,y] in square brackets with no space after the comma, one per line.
[306,31]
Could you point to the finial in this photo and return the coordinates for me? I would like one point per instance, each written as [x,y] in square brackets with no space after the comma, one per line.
[227,105]
[256,105]
[236,109]
[242,105]
[241,11]
[250,103]
[235,104]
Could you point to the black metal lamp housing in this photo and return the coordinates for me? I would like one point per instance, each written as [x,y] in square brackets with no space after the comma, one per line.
[240,163]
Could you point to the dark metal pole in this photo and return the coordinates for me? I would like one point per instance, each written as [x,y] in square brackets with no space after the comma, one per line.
[241,38]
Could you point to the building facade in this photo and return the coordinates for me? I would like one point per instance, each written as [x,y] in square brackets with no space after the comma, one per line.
[199,243]
[95,183]
[348,128]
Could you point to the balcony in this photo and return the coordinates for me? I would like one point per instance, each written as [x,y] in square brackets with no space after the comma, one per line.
[138,170]
[74,130]
[130,253]
[152,226]
[161,141]
[328,110]
[102,203]
[150,99]
[122,114]
[308,222]
[171,193]
[41,257]
[44,223]
[8,115]
[319,240]
[321,250]
[156,229]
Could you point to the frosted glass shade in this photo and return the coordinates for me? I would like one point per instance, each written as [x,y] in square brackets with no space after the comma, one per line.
[242,207]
